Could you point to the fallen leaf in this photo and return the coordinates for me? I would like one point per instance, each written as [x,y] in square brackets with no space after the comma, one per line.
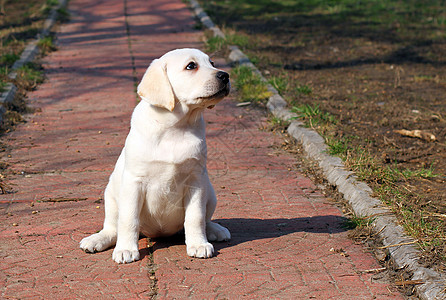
[429,137]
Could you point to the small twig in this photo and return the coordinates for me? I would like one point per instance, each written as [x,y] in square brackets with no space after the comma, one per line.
[409,282]
[243,103]
[381,230]
[436,215]
[4,188]
[427,136]
[398,72]
[396,245]
[378,214]
[63,199]
[377,270]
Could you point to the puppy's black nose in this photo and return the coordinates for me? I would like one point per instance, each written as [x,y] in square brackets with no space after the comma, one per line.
[223,76]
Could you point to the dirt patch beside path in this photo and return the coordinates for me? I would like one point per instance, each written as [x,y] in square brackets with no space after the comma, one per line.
[361,75]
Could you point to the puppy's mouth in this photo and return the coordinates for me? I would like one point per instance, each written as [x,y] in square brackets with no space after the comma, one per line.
[217,96]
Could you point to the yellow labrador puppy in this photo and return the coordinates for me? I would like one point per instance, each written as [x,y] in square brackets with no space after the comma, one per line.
[160,183]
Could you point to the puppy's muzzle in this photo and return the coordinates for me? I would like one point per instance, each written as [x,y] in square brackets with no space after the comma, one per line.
[222,85]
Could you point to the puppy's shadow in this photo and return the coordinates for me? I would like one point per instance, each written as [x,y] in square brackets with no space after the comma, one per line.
[245,229]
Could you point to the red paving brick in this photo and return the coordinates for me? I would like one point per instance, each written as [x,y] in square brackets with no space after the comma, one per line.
[282,227]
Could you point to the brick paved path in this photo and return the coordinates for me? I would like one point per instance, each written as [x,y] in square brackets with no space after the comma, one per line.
[282,226]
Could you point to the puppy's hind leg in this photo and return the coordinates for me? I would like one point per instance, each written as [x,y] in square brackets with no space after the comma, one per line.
[217,233]
[106,238]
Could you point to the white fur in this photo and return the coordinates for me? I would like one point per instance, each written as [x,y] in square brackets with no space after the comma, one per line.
[160,182]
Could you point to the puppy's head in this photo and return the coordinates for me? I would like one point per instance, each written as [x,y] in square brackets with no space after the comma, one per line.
[183,75]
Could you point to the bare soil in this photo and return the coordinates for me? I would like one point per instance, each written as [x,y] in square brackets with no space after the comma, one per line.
[374,78]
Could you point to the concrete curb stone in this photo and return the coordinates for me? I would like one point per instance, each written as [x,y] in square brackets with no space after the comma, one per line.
[28,54]
[358,194]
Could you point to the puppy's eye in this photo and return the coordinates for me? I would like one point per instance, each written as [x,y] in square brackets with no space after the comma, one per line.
[191,66]
[212,63]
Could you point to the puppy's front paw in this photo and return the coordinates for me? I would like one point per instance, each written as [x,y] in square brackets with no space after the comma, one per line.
[97,242]
[205,250]
[216,232]
[125,256]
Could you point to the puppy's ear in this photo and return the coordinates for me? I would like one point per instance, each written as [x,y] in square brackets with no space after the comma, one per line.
[155,86]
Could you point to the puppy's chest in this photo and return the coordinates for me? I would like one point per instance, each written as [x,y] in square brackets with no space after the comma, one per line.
[178,149]
[169,154]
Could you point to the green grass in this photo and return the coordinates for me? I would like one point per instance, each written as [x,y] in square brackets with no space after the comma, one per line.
[280,83]
[63,14]
[355,221]
[52,3]
[47,45]
[303,89]
[3,73]
[249,86]
[2,86]
[9,58]
[29,75]
[49,4]
[337,146]
[215,44]
[238,39]
[278,122]
[314,115]
[426,173]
